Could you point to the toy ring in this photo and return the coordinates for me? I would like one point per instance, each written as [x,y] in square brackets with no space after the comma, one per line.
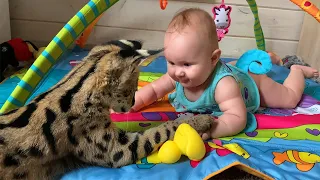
[163,4]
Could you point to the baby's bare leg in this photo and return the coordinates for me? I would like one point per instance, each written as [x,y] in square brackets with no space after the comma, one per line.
[288,95]
[233,62]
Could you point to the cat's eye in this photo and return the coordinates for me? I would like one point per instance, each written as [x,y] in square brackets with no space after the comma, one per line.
[126,93]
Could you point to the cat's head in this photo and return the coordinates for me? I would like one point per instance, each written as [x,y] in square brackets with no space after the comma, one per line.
[118,71]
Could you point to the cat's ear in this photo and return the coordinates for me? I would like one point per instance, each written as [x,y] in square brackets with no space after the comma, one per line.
[126,44]
[132,43]
[145,54]
[139,55]
[125,53]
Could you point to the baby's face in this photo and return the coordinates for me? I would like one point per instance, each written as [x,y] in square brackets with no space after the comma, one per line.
[189,59]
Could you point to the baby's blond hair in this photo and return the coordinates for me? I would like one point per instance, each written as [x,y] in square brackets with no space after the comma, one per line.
[197,18]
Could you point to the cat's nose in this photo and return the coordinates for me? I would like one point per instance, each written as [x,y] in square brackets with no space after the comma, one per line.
[123,109]
[133,101]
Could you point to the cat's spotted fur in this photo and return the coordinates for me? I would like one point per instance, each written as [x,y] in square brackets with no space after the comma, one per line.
[69,126]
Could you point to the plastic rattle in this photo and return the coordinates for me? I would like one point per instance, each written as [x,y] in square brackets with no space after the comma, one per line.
[163,4]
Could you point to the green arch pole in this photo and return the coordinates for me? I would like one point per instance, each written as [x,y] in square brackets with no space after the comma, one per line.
[58,45]
[258,33]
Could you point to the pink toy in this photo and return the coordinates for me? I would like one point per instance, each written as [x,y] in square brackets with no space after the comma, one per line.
[221,16]
[74,62]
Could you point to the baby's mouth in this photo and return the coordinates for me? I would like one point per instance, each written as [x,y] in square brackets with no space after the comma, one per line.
[184,80]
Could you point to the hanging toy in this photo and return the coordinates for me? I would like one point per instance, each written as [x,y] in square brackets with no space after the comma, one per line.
[309,7]
[221,16]
[163,4]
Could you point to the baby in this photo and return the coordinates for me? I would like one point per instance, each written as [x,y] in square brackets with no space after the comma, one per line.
[203,83]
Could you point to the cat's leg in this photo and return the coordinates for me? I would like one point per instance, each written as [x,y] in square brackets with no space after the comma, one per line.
[111,147]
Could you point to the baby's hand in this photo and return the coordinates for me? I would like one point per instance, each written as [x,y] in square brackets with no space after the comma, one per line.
[207,135]
[111,111]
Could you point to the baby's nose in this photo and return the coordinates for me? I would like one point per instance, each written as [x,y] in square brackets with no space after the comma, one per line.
[180,73]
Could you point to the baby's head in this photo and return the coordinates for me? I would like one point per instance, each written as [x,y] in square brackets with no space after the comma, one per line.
[191,47]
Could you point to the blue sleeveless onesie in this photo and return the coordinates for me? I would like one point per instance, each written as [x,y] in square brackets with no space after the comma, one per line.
[206,104]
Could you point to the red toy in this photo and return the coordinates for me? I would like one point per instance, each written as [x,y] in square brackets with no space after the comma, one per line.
[163,4]
[14,52]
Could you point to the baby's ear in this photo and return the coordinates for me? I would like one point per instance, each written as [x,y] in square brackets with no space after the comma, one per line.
[215,55]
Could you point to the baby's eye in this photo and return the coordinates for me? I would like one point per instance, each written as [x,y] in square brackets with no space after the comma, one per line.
[170,62]
[186,64]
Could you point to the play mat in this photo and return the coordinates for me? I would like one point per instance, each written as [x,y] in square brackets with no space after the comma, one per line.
[284,145]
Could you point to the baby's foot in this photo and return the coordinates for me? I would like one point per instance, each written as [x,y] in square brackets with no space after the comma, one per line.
[308,72]
[275,59]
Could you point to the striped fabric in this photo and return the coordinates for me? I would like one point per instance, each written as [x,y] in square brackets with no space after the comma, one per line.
[66,36]
[258,33]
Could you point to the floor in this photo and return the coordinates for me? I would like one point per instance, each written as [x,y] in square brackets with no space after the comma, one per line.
[234,174]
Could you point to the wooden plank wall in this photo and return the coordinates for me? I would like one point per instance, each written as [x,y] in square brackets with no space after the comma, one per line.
[40,20]
[5,32]
[309,44]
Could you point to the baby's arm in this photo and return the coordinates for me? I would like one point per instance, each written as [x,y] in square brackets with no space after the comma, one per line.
[153,91]
[229,99]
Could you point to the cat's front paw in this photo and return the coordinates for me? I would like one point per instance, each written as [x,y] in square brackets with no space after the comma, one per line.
[201,123]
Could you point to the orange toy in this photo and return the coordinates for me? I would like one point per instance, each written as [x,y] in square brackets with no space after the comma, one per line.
[85,35]
[309,7]
[163,4]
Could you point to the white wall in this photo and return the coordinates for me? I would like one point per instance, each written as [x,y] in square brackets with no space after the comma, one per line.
[40,21]
[5,32]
